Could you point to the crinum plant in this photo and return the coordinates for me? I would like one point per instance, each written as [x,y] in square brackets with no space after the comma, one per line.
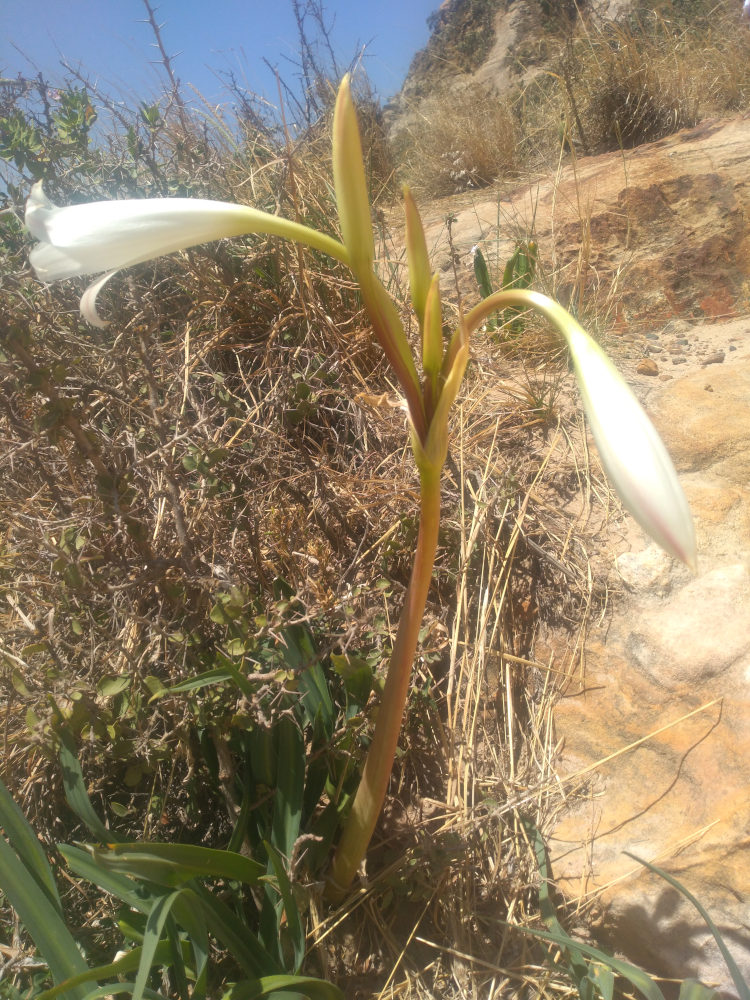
[107,236]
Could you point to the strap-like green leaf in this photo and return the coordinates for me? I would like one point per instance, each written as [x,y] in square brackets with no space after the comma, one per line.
[154,927]
[175,864]
[138,897]
[691,989]
[227,927]
[737,978]
[26,844]
[75,791]
[290,785]
[640,979]
[128,963]
[41,919]
[482,274]
[315,989]
[294,926]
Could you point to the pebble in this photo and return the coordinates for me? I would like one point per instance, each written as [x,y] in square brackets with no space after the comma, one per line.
[714,359]
[647,366]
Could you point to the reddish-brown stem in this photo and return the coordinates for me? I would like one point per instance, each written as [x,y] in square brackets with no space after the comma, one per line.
[368,801]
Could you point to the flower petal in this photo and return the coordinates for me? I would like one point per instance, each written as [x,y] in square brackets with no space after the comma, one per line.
[107,235]
[631,451]
[88,301]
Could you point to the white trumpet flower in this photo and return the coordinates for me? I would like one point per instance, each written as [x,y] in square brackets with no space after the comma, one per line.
[109,235]
[631,451]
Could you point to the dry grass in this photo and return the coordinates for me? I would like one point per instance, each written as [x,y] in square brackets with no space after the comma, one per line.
[457,139]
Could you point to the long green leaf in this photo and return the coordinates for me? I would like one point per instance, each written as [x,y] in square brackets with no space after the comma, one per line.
[315,989]
[290,785]
[128,963]
[577,967]
[41,919]
[290,789]
[177,959]
[205,679]
[139,897]
[481,273]
[691,989]
[640,979]
[294,926]
[227,927]
[192,919]
[316,698]
[113,989]
[173,865]
[737,978]
[75,791]
[26,844]
[154,927]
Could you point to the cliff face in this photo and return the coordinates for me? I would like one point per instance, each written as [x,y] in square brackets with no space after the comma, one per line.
[462,37]
[491,41]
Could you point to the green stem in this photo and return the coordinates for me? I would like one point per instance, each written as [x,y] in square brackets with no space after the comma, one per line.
[521,298]
[368,801]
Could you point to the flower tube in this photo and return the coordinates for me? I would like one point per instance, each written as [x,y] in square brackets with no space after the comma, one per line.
[109,235]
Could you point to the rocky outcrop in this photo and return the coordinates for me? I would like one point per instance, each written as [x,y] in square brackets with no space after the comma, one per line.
[662,230]
[665,706]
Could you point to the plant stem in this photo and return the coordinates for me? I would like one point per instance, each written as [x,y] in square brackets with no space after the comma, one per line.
[368,801]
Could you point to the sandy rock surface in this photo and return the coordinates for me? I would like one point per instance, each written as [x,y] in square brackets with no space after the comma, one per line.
[666,698]
[655,736]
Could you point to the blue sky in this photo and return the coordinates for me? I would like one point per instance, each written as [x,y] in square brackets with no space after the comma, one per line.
[108,39]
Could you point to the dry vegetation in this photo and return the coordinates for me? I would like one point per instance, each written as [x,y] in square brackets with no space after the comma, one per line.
[582,81]
[223,474]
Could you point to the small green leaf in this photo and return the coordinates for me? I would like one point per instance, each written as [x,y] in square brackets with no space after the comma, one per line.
[19,685]
[155,686]
[108,687]
[482,274]
[356,674]
[34,647]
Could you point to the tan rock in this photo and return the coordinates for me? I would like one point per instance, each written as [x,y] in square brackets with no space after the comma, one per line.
[647,366]
[666,709]
[676,209]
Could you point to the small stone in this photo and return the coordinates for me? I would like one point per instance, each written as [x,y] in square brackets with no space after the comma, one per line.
[648,570]
[714,359]
[679,361]
[647,366]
